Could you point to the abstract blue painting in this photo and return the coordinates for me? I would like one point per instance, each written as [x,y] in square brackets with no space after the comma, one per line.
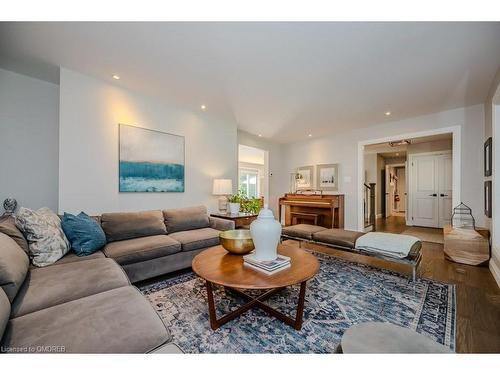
[150,160]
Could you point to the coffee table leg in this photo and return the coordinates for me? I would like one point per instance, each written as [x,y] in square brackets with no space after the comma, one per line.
[211,306]
[300,307]
[295,323]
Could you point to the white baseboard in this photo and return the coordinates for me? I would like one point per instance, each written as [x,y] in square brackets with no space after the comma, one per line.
[495,271]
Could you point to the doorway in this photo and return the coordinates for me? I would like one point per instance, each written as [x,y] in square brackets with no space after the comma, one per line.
[253,172]
[416,178]
[395,194]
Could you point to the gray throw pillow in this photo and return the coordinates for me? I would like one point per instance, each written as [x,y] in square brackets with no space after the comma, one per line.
[8,227]
[14,264]
[42,228]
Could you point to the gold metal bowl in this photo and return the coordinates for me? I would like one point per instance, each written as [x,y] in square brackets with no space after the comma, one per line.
[237,241]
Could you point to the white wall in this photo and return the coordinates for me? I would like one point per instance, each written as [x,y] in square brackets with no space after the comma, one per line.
[440,145]
[90,111]
[278,176]
[370,168]
[29,121]
[342,148]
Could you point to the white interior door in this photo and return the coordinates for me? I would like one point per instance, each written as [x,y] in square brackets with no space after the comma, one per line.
[424,196]
[431,190]
[445,170]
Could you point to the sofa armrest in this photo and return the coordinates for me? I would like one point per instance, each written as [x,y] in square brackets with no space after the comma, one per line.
[221,224]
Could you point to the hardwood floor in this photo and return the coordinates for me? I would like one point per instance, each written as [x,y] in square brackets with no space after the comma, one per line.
[478,296]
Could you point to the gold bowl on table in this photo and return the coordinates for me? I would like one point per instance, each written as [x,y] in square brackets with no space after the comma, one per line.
[237,241]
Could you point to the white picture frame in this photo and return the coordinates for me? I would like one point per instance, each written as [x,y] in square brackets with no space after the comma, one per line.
[307,175]
[327,177]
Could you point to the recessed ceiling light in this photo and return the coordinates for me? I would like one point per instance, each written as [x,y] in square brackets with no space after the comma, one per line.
[397,153]
[260,135]
[116,76]
[203,107]
[388,113]
[309,135]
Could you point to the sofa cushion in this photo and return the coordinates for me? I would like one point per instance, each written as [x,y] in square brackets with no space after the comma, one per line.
[14,265]
[72,257]
[117,321]
[304,231]
[4,311]
[50,286]
[8,227]
[42,229]
[160,266]
[141,249]
[182,219]
[84,233]
[125,225]
[338,237]
[197,238]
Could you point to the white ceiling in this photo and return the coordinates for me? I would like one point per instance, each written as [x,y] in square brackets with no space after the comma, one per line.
[281,80]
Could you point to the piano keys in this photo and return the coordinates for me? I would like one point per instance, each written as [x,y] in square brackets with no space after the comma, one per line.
[326,210]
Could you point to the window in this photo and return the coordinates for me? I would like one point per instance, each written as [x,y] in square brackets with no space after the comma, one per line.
[249,183]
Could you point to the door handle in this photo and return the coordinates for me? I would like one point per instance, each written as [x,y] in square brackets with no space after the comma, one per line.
[443,195]
[433,195]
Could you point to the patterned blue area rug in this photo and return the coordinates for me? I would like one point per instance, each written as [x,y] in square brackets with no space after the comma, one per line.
[341,295]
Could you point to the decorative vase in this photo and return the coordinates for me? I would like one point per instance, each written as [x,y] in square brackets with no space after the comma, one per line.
[234,208]
[266,233]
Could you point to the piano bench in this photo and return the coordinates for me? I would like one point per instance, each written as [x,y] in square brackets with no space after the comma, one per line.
[305,216]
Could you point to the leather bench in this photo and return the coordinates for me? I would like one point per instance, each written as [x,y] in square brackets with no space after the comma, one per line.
[346,240]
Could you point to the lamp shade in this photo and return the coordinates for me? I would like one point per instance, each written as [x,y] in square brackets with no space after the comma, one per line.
[222,187]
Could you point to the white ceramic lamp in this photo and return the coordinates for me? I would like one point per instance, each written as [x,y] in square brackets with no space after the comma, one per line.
[222,187]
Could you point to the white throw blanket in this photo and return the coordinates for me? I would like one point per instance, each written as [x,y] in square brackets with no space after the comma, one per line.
[388,244]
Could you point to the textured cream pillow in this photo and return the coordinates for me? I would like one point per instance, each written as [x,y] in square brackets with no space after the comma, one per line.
[42,229]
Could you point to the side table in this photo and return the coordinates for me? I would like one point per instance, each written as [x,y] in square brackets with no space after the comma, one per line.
[241,219]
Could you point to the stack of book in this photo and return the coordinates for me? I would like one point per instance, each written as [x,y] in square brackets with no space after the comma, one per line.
[268,267]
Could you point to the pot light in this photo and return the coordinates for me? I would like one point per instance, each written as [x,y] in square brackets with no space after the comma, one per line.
[388,113]
[260,135]
[309,135]
[203,107]
[116,76]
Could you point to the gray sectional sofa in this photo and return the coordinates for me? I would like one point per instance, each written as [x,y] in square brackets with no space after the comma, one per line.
[152,243]
[87,304]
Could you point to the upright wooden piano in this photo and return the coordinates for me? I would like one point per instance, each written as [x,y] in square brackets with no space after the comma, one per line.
[326,210]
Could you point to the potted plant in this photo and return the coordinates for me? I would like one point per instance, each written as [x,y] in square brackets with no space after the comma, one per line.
[234,203]
[250,205]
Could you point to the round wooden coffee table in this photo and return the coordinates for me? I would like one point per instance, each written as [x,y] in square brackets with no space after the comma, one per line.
[217,266]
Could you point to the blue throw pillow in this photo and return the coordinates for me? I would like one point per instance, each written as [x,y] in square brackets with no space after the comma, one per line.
[84,233]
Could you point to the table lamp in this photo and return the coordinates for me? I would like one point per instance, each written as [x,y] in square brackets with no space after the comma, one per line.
[223,188]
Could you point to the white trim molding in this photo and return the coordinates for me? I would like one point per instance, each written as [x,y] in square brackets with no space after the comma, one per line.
[495,270]
[456,132]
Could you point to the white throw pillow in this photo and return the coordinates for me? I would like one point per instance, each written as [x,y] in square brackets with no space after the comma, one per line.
[42,229]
